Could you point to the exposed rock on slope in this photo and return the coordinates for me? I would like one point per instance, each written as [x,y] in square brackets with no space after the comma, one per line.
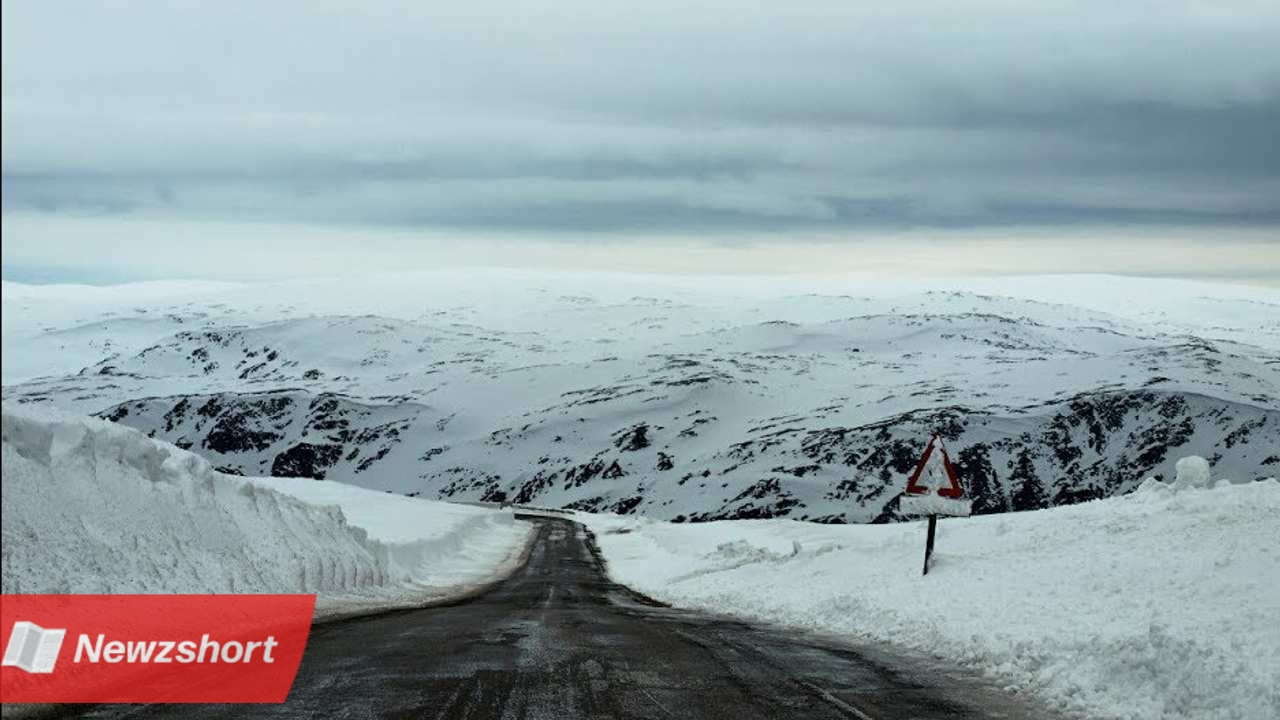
[688,401]
[284,434]
[1091,446]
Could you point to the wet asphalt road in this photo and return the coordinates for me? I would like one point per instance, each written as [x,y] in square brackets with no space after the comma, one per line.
[559,640]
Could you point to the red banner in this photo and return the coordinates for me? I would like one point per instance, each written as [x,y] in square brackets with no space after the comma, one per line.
[152,648]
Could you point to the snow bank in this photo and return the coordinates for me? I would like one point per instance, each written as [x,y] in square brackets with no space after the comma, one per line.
[93,507]
[1161,604]
[441,547]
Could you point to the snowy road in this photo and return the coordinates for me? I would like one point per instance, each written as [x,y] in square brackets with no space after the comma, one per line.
[559,640]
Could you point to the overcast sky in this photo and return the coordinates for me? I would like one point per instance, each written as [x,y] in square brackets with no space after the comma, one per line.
[634,125]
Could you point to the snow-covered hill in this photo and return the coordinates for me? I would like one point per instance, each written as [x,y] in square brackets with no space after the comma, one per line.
[1089,446]
[678,398]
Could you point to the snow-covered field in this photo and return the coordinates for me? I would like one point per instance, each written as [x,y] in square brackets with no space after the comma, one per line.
[1162,604]
[93,507]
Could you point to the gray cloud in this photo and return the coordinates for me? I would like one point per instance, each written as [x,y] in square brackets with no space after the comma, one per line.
[612,117]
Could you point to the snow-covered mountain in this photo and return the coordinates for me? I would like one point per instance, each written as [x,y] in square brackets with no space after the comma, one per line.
[675,398]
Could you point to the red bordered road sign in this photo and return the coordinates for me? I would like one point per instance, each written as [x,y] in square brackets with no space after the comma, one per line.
[934,473]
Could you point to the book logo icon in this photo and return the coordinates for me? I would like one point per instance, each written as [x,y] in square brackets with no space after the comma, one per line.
[33,648]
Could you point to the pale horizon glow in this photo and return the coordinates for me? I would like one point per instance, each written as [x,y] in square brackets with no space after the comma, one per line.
[71,249]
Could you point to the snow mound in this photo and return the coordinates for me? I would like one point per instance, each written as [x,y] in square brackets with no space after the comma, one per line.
[1164,603]
[94,507]
[1192,472]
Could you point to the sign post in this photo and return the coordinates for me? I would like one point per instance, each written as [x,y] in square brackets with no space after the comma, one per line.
[928,543]
[932,490]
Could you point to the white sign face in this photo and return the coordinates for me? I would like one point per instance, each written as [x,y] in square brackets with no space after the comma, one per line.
[934,476]
[933,489]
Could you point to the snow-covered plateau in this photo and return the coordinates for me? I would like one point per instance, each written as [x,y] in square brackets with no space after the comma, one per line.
[324,418]
[94,507]
[679,398]
[1161,604]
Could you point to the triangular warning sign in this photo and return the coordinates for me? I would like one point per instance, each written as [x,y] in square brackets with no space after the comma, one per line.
[934,473]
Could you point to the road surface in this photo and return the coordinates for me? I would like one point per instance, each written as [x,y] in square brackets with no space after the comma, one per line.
[558,640]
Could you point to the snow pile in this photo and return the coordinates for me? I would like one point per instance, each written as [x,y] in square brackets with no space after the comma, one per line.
[1192,472]
[1161,604]
[93,507]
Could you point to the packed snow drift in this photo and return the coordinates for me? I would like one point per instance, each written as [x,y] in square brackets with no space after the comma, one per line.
[1162,604]
[94,507]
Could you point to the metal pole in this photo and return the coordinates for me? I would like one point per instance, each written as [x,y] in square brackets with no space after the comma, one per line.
[928,543]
